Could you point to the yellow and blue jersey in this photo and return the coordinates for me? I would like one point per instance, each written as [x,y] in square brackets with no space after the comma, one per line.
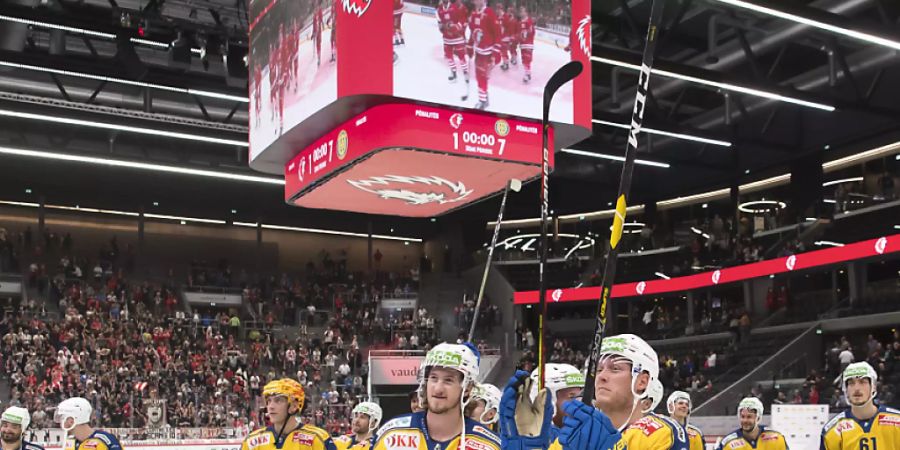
[651,432]
[410,432]
[99,440]
[349,442]
[306,437]
[845,432]
[767,440]
[695,438]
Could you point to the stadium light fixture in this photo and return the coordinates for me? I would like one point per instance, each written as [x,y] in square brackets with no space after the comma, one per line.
[197,92]
[853,34]
[86,32]
[139,165]
[718,85]
[687,137]
[662,275]
[841,181]
[124,128]
[829,244]
[183,220]
[642,162]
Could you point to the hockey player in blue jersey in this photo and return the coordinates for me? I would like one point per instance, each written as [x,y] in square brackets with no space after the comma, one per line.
[13,424]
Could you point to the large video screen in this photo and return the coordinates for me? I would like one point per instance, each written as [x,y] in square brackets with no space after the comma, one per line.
[494,56]
[293,70]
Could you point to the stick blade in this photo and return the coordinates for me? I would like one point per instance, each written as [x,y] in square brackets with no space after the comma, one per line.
[563,75]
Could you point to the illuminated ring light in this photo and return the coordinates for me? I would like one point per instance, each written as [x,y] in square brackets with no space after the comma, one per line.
[761,206]
[845,180]
[529,242]
[631,227]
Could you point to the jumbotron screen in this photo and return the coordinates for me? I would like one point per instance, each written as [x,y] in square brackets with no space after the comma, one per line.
[315,63]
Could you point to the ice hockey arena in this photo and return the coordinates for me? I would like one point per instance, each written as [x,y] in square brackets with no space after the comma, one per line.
[449,225]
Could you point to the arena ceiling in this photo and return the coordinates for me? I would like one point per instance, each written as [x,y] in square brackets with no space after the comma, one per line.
[729,49]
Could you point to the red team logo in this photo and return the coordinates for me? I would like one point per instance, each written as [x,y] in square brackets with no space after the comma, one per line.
[357,7]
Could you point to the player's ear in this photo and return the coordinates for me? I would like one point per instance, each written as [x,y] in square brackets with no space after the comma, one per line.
[643,380]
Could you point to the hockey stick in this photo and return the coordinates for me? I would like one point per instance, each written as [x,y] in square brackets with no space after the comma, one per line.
[562,76]
[514,185]
[609,272]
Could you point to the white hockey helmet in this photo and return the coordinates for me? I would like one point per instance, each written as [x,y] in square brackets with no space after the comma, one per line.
[753,404]
[654,392]
[17,415]
[676,397]
[77,408]
[458,357]
[559,376]
[860,370]
[636,350]
[491,395]
[372,410]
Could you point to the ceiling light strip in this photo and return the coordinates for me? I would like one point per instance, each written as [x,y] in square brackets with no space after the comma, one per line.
[865,37]
[139,165]
[85,32]
[125,128]
[211,221]
[719,85]
[642,162]
[688,137]
[197,92]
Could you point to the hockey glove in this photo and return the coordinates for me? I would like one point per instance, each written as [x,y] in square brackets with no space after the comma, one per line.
[586,427]
[524,425]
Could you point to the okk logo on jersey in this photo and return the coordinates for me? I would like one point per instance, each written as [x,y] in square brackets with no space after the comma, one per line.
[358,7]
[401,441]
[640,287]
[583,34]
[791,262]
[716,276]
[456,121]
[881,245]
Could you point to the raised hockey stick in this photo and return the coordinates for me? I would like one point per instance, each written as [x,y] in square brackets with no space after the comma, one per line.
[562,76]
[515,186]
[609,271]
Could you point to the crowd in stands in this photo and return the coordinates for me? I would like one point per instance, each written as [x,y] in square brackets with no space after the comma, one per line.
[90,330]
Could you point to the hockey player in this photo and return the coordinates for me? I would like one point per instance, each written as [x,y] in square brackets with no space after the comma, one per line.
[483,404]
[654,396]
[510,25]
[333,19]
[452,23]
[284,401]
[446,376]
[525,38]
[625,370]
[318,29]
[679,406]
[74,416]
[398,19]
[752,435]
[366,419]
[564,383]
[866,426]
[13,424]
[483,47]
[503,43]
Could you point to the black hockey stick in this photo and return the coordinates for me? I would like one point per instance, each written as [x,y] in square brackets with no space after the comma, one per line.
[515,186]
[562,76]
[609,271]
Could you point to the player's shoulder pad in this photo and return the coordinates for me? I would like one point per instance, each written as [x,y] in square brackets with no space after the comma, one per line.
[649,425]
[679,432]
[316,431]
[258,431]
[475,428]
[833,422]
[30,446]
[343,438]
[890,410]
[693,427]
[730,437]
[404,421]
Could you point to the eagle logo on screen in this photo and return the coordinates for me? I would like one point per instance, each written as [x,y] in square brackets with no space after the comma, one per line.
[584,35]
[414,190]
[357,7]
